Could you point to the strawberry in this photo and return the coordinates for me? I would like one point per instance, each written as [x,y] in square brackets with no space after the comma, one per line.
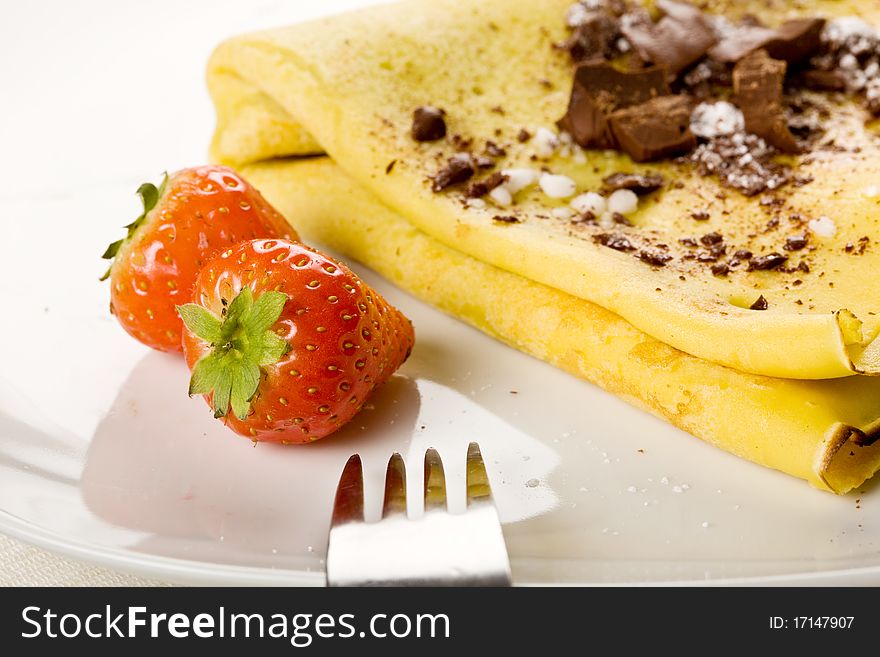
[191,216]
[289,339]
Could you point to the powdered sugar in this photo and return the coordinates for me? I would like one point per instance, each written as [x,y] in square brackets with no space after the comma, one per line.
[710,120]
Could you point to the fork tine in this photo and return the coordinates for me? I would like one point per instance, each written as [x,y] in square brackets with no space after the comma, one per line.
[395,487]
[349,503]
[478,489]
[435,481]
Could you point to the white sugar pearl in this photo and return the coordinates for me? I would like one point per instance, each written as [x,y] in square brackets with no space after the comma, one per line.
[589,202]
[562,213]
[519,179]
[545,142]
[823,227]
[501,196]
[623,201]
[556,186]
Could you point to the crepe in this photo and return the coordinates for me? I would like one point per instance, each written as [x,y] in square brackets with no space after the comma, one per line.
[808,429]
[348,85]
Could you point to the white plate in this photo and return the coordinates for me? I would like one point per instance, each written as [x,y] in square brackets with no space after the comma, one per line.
[104,457]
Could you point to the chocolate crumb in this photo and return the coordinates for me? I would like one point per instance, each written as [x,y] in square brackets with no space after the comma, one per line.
[804,267]
[523,136]
[482,187]
[390,167]
[688,241]
[743,254]
[614,241]
[721,269]
[760,304]
[505,219]
[459,168]
[767,262]
[620,219]
[700,215]
[712,238]
[654,258]
[494,150]
[795,243]
[484,162]
[428,123]
[641,184]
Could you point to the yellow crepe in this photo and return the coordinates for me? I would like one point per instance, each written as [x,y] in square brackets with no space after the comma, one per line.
[804,428]
[348,85]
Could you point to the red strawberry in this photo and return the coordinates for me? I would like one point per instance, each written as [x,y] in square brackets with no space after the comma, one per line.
[191,216]
[291,340]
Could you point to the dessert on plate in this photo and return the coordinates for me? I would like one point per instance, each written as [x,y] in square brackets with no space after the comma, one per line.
[679,204]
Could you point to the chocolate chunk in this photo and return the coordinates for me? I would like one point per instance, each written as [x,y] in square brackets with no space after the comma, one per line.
[712,238]
[818,80]
[654,258]
[614,241]
[743,254]
[505,219]
[483,187]
[459,168]
[767,262]
[639,183]
[680,38]
[757,86]
[795,243]
[484,162]
[760,304]
[494,150]
[793,41]
[721,269]
[593,38]
[598,90]
[428,123]
[655,129]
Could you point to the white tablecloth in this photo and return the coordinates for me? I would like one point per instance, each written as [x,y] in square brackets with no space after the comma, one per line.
[25,565]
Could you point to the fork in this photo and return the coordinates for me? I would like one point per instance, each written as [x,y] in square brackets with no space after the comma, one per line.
[437,549]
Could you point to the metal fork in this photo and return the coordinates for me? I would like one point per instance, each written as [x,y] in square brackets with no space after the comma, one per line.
[438,549]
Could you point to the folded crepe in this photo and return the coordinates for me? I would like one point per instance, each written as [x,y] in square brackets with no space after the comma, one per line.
[815,430]
[674,339]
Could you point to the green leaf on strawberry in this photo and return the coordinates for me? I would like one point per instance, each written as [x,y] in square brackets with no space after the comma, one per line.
[150,195]
[241,343]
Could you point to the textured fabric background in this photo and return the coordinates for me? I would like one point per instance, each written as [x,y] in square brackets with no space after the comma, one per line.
[25,565]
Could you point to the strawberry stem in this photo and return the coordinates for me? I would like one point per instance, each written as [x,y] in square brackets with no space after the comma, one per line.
[241,343]
[150,195]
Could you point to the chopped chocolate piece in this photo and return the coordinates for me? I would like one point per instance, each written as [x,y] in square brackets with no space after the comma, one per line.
[795,243]
[712,254]
[743,254]
[721,269]
[593,37]
[680,38]
[636,182]
[598,90]
[792,41]
[655,129]
[505,219]
[760,304]
[767,262]
[804,267]
[486,185]
[459,168]
[757,85]
[698,80]
[614,241]
[773,224]
[712,238]
[523,136]
[654,258]
[700,215]
[620,219]
[494,150]
[588,218]
[817,80]
[688,241]
[428,123]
